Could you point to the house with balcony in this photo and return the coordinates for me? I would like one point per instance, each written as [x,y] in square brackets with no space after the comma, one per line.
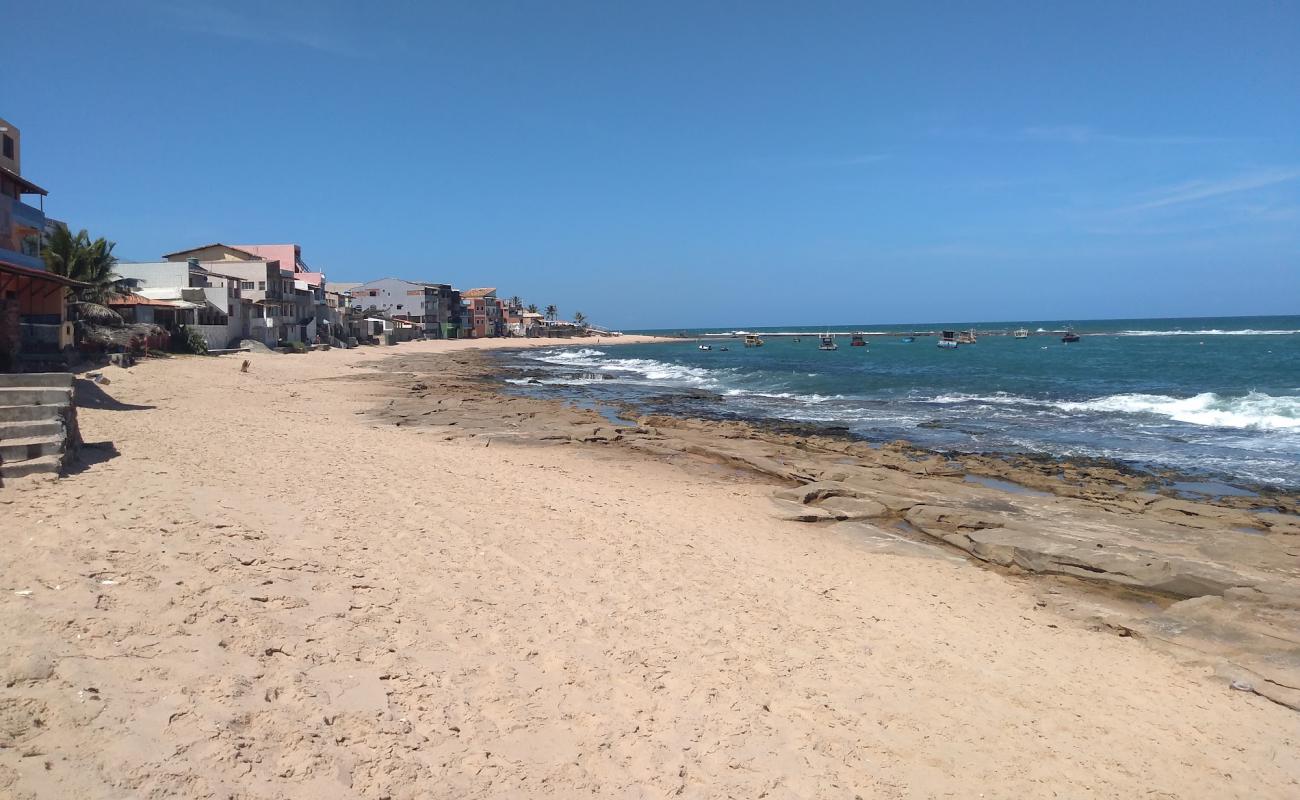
[433,307]
[189,294]
[34,323]
[286,302]
[484,313]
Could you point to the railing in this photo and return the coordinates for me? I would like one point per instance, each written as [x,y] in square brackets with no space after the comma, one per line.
[21,259]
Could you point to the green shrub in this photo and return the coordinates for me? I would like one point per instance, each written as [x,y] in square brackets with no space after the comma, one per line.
[297,347]
[189,340]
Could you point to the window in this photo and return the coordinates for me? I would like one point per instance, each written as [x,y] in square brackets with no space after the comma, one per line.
[399,306]
[261,286]
[245,284]
[9,146]
[374,293]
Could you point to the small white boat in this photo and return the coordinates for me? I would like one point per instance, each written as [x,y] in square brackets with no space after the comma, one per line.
[753,340]
[948,340]
[828,343]
[706,347]
[1021,333]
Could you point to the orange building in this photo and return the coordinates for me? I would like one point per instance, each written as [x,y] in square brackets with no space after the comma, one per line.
[34,326]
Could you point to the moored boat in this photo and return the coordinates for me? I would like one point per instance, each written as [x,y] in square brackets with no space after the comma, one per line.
[706,347]
[827,343]
[1021,333]
[1070,336]
[948,340]
[753,341]
[908,339]
[857,341]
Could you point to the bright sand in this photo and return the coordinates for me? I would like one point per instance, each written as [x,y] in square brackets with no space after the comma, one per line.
[267,594]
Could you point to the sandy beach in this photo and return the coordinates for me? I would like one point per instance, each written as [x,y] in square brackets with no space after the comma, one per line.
[339,575]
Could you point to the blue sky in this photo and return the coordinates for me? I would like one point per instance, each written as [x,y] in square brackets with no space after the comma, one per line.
[703,163]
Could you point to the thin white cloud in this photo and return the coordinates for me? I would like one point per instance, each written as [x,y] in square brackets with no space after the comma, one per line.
[1082,134]
[1196,190]
[198,16]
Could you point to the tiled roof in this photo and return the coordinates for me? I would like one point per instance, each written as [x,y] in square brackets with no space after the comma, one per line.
[471,293]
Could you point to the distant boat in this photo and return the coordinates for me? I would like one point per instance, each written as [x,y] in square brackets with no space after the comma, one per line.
[724,348]
[1070,336]
[706,347]
[966,337]
[948,340]
[828,343]
[857,341]
[1022,333]
[753,341]
[908,339]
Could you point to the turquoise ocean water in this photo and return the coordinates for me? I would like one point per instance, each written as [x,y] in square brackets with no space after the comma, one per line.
[1212,396]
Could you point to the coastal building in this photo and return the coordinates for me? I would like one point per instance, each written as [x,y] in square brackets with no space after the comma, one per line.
[288,300]
[484,313]
[434,307]
[191,295]
[522,323]
[34,323]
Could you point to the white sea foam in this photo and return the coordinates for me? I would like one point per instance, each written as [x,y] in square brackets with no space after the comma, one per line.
[998,398]
[584,357]
[1255,410]
[1211,332]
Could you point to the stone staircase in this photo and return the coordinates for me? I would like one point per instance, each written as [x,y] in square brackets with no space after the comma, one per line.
[38,424]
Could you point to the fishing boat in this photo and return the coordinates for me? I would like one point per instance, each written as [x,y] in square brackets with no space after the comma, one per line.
[1070,336]
[857,341]
[828,343]
[966,337]
[706,347]
[908,339]
[948,340]
[724,348]
[1021,333]
[753,341]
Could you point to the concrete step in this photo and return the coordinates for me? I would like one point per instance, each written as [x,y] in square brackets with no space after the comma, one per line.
[45,465]
[34,396]
[29,447]
[21,429]
[36,380]
[16,414]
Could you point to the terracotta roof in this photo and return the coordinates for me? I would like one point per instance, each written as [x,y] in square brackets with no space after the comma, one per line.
[214,244]
[38,274]
[137,300]
[471,293]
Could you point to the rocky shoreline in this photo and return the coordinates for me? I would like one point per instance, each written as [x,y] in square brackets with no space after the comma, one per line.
[1215,580]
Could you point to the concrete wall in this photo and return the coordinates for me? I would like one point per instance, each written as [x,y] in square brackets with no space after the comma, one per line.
[217,336]
[156,274]
[13,164]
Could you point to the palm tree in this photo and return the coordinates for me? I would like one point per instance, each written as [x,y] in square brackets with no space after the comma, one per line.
[532,308]
[90,262]
[77,257]
[552,312]
[515,302]
[580,318]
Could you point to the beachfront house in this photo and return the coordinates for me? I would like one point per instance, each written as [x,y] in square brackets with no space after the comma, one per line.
[484,313]
[284,306]
[433,307]
[34,322]
[522,323]
[184,293]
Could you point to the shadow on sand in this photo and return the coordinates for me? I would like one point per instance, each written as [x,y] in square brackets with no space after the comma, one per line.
[90,454]
[89,395]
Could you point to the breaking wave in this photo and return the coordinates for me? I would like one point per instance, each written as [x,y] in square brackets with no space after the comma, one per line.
[1254,410]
